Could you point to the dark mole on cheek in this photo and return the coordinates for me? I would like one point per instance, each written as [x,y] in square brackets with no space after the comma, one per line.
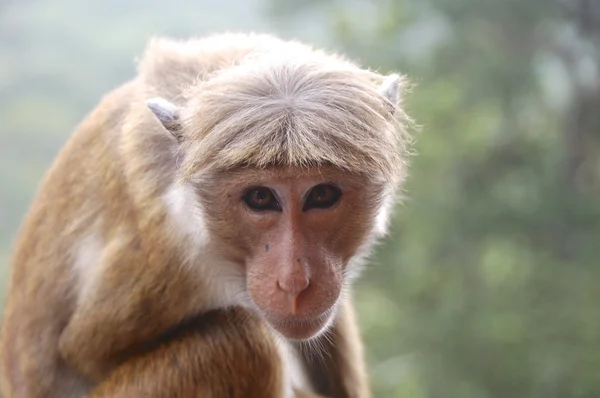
[266,247]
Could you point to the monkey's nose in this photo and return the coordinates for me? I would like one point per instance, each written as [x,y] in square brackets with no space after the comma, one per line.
[293,285]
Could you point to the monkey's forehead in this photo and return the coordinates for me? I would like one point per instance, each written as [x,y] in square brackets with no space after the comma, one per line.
[248,175]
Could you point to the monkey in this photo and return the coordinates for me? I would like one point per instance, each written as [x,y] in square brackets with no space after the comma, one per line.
[199,232]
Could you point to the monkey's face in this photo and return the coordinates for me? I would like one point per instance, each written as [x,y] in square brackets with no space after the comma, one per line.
[294,231]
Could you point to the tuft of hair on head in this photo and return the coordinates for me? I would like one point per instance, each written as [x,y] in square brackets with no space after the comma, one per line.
[302,111]
[276,103]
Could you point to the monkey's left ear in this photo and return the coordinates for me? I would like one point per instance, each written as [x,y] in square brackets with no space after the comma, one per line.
[168,114]
[390,89]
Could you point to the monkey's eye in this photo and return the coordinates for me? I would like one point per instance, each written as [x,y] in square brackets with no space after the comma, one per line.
[261,198]
[322,197]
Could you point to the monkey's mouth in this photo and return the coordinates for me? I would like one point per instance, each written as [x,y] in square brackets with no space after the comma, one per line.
[300,328]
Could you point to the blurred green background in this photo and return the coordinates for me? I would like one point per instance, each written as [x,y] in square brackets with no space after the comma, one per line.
[489,285]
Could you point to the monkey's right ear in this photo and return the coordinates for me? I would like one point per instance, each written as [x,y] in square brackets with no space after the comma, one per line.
[168,114]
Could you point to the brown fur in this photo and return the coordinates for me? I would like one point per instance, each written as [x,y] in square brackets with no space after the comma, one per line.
[342,373]
[104,297]
[203,356]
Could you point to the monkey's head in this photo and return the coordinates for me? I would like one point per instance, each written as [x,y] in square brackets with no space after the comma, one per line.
[295,162]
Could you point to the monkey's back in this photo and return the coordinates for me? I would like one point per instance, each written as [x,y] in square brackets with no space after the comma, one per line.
[40,295]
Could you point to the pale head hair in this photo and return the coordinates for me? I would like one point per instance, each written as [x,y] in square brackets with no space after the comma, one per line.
[286,104]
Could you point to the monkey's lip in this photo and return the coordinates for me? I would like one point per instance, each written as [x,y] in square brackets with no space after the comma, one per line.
[299,328]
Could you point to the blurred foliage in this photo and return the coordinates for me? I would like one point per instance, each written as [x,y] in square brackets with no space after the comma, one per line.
[488,284]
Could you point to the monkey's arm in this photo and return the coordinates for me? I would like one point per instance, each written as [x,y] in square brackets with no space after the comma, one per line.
[340,373]
[226,353]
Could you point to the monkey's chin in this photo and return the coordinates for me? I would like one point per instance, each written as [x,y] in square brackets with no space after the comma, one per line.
[295,328]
